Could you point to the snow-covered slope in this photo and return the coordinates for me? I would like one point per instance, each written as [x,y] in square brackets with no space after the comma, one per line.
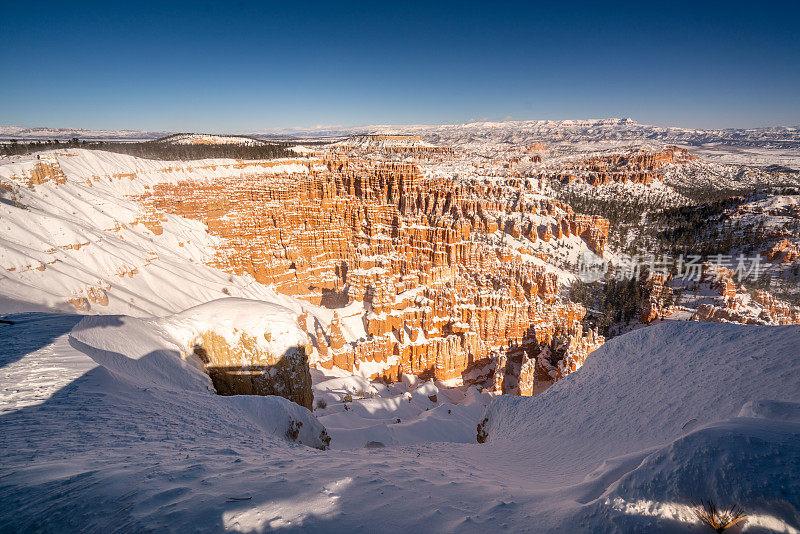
[715,369]
[654,419]
[669,415]
[87,237]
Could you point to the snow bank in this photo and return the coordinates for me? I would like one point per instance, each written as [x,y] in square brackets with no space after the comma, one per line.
[274,327]
[144,354]
[356,411]
[673,413]
[749,462]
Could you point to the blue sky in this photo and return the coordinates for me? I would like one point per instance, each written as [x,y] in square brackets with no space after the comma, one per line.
[249,66]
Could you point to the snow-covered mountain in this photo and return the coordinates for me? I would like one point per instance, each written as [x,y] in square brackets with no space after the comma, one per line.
[570,131]
[210,139]
[574,131]
[28,133]
[509,132]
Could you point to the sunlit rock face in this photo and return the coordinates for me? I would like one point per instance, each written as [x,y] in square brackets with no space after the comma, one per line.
[437,297]
[245,368]
[526,377]
[247,347]
[644,167]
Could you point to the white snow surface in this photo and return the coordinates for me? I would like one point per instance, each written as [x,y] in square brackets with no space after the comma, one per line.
[405,413]
[132,440]
[274,327]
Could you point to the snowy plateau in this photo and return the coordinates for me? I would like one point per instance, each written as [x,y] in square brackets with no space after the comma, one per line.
[388,330]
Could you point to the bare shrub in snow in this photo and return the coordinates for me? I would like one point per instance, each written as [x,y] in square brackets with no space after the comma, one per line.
[294,430]
[325,439]
[482,434]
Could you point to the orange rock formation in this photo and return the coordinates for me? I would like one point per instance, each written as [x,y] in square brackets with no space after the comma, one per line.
[437,301]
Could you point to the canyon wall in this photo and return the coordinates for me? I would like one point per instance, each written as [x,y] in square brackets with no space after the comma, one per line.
[438,299]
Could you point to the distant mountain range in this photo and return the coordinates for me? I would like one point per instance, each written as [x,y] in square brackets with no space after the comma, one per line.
[25,133]
[517,132]
[512,132]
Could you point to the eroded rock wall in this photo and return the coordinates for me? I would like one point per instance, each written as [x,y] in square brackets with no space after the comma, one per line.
[437,297]
[244,368]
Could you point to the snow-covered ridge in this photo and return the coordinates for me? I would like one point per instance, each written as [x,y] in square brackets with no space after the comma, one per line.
[27,133]
[384,141]
[603,130]
[211,139]
[520,132]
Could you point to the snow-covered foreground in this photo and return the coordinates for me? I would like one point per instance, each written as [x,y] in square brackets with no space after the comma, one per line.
[405,413]
[122,434]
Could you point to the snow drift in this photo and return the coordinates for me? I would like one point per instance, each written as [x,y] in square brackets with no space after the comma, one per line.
[151,355]
[655,419]
[673,414]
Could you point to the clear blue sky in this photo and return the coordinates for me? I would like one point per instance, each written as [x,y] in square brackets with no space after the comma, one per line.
[243,67]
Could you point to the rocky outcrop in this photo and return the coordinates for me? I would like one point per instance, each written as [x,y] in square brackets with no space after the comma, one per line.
[763,307]
[247,369]
[578,349]
[83,300]
[776,310]
[659,297]
[526,377]
[717,314]
[642,167]
[499,377]
[784,251]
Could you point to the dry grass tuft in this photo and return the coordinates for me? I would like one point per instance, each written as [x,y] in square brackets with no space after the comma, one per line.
[720,520]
